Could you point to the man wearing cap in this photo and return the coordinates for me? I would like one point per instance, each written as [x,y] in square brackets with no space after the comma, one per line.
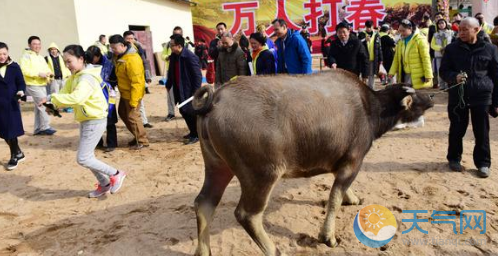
[57,67]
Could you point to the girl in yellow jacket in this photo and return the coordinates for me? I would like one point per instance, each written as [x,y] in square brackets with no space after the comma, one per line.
[440,40]
[82,92]
[412,62]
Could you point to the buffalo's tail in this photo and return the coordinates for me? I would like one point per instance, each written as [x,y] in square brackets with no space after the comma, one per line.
[203,100]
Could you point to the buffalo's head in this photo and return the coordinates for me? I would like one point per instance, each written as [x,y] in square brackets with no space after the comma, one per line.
[409,104]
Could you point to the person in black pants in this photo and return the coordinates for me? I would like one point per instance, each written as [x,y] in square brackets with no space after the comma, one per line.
[184,78]
[108,75]
[12,90]
[479,60]
[387,45]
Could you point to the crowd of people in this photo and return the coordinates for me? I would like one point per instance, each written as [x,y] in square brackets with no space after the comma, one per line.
[86,82]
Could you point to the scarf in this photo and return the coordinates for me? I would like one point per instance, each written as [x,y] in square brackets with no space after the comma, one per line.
[9,60]
[255,56]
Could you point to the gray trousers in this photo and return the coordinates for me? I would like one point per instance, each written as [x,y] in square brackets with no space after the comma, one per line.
[436,65]
[143,114]
[90,134]
[42,119]
[55,86]
[371,75]
[170,96]
[408,79]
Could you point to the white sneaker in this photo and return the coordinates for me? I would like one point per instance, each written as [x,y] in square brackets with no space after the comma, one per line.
[117,181]
[100,191]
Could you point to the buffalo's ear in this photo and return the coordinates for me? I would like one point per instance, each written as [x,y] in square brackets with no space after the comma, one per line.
[406,102]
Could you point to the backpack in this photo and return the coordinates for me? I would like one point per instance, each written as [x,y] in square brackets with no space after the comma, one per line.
[110,96]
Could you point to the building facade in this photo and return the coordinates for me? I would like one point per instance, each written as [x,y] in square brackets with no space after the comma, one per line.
[82,21]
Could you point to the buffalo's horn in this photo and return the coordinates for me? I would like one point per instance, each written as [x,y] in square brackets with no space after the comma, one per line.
[409,90]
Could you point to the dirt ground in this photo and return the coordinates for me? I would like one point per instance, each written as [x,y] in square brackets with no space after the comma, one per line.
[44,209]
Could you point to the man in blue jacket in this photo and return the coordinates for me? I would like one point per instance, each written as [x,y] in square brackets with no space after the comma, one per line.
[184,78]
[294,56]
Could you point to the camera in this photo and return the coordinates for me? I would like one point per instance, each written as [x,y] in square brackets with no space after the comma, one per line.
[51,109]
[21,98]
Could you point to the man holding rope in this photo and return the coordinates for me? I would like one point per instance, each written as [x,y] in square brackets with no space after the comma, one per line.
[184,78]
[477,94]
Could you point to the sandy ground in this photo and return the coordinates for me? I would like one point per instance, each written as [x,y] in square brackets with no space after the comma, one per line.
[44,209]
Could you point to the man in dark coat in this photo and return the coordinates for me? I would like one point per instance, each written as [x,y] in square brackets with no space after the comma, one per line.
[215,44]
[231,61]
[12,88]
[347,52]
[479,60]
[371,42]
[184,78]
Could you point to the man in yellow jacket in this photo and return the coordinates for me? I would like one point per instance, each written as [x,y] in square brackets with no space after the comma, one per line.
[131,84]
[37,74]
[488,28]
[57,67]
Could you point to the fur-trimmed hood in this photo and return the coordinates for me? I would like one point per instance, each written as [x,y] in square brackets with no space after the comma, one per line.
[9,61]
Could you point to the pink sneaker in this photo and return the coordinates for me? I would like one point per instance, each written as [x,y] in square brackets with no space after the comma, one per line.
[100,191]
[117,181]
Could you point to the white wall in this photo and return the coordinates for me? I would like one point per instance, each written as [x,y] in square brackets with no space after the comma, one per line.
[489,9]
[109,17]
[51,20]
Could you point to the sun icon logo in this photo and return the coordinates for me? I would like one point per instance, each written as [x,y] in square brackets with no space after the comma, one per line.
[374,219]
[375,226]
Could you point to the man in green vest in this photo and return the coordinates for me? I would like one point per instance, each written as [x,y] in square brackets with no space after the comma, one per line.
[371,40]
[102,44]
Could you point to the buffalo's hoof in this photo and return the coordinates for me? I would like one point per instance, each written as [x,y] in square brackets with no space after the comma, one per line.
[279,253]
[198,253]
[356,202]
[332,243]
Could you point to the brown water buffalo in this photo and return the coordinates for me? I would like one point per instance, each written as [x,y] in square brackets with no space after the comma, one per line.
[261,129]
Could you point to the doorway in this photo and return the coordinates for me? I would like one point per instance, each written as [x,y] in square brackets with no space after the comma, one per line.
[144,36]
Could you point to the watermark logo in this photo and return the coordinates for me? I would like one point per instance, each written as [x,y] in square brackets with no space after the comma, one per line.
[375,226]
[469,219]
